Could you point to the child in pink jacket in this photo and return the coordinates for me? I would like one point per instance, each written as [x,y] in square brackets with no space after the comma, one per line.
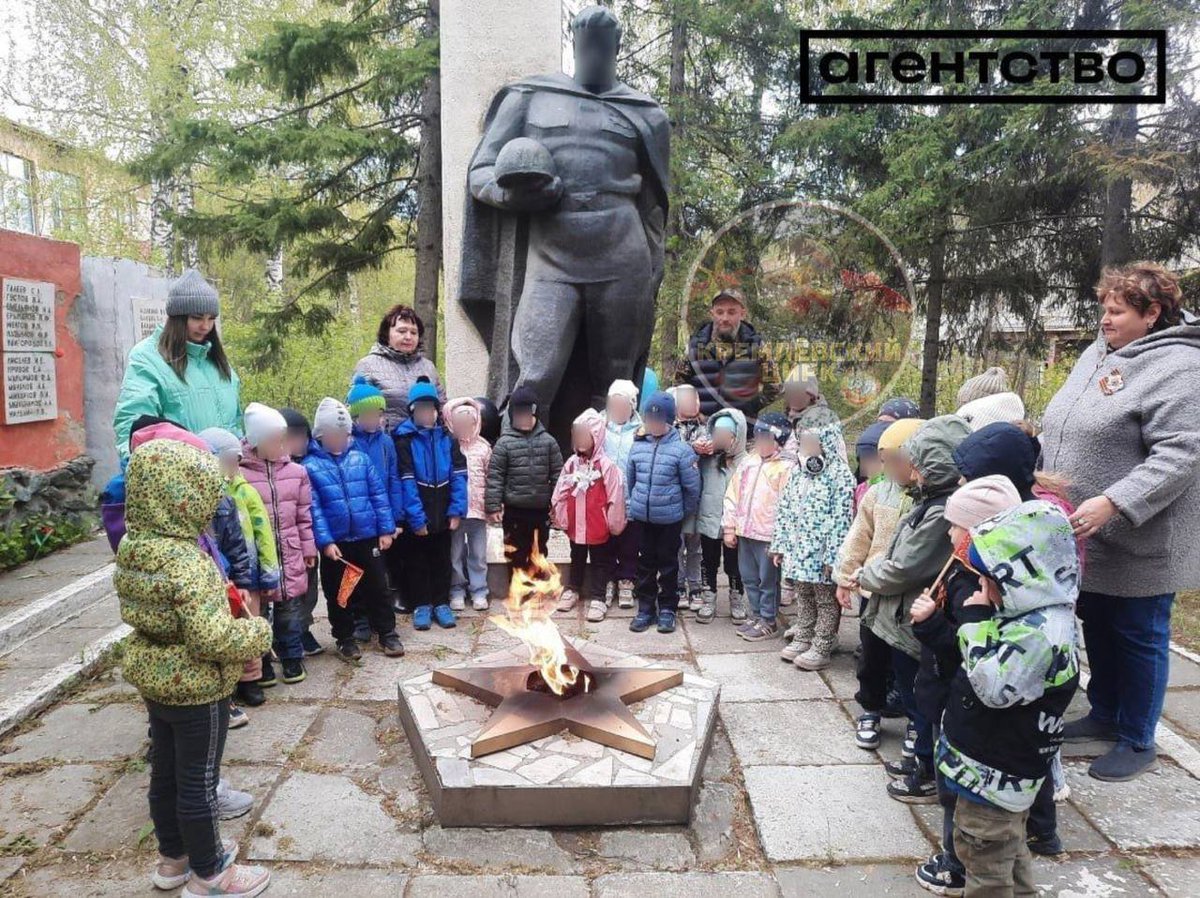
[468,544]
[589,504]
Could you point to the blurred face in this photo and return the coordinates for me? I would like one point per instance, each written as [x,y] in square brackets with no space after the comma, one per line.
[956,533]
[335,442]
[596,58]
[727,316]
[199,327]
[798,398]
[765,444]
[657,427]
[897,467]
[869,465]
[722,439]
[619,409]
[1122,323]
[370,420]
[404,336]
[810,444]
[522,418]
[297,442]
[425,414]
[272,447]
[462,424]
[687,404]
[228,462]
[581,439]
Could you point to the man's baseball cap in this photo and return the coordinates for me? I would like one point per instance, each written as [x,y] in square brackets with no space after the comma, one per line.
[731,294]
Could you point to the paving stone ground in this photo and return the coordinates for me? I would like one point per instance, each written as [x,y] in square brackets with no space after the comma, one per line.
[789,808]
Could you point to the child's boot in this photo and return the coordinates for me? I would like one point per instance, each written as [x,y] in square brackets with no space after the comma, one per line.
[348,651]
[241,880]
[391,645]
[707,609]
[794,649]
[250,694]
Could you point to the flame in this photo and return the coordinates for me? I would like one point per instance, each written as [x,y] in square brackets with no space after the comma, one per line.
[528,611]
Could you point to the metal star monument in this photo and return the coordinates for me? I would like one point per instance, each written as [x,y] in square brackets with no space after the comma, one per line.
[527,710]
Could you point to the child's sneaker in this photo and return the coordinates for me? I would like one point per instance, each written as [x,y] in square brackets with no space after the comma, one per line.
[641,622]
[480,602]
[1045,846]
[250,694]
[746,627]
[682,603]
[237,717]
[362,630]
[866,734]
[900,768]
[739,608]
[793,649]
[597,611]
[760,630]
[625,594]
[909,749]
[422,617]
[458,603]
[310,645]
[445,617]
[666,622]
[568,600]
[231,803]
[812,660]
[707,609]
[267,680]
[170,873]
[241,880]
[937,876]
[919,787]
[293,671]
[391,645]
[348,651]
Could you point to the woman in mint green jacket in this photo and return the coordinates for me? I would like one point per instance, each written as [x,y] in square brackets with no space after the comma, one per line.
[180,372]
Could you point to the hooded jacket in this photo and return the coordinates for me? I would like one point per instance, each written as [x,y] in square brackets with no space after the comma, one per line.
[524,469]
[286,492]
[753,493]
[1138,443]
[662,479]
[350,502]
[1020,667]
[151,387]
[920,546]
[394,373]
[715,470]
[814,514]
[871,533]
[618,441]
[589,498]
[227,531]
[476,450]
[256,529]
[433,476]
[938,634]
[186,648]
[380,447]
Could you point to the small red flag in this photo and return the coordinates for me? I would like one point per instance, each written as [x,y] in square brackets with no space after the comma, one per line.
[349,580]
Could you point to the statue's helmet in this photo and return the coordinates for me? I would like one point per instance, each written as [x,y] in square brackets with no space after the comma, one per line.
[523,161]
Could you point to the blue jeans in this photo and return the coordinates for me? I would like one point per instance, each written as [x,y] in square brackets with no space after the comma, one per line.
[759,577]
[287,623]
[468,559]
[904,669]
[1129,650]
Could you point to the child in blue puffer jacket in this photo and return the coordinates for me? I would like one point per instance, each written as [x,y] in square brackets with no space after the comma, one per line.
[353,524]
[662,480]
[433,485]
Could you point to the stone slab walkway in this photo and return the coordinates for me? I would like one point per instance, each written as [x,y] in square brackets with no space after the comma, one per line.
[789,807]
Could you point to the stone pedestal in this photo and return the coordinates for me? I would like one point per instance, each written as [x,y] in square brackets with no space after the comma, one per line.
[485,44]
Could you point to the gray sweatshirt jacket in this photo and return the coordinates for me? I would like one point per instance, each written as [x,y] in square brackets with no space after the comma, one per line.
[1135,438]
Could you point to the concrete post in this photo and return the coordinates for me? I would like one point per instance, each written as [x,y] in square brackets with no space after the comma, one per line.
[485,44]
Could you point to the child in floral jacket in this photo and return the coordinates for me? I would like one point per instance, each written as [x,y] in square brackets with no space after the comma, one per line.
[589,504]
[813,519]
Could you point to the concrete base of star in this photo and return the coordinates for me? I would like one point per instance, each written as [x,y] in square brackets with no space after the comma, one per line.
[560,779]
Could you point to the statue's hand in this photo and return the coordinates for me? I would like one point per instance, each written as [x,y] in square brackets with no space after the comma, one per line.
[537,197]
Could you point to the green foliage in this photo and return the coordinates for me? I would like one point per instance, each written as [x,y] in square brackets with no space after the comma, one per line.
[35,537]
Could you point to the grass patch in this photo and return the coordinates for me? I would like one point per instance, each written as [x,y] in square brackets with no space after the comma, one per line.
[1185,623]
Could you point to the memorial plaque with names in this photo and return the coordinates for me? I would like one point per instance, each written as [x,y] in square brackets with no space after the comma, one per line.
[148,314]
[30,387]
[27,315]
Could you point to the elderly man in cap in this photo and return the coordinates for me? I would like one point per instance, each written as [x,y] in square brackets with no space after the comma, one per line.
[727,362]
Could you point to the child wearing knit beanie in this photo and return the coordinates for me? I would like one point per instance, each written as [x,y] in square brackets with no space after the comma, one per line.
[935,623]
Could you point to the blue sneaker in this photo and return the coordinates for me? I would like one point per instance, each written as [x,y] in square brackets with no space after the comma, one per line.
[666,622]
[422,617]
[444,616]
[641,622]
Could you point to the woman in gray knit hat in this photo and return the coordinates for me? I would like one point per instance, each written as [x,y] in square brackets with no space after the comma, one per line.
[180,371]
[1125,428]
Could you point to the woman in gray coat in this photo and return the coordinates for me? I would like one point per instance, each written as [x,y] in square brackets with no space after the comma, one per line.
[396,361]
[1125,429]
